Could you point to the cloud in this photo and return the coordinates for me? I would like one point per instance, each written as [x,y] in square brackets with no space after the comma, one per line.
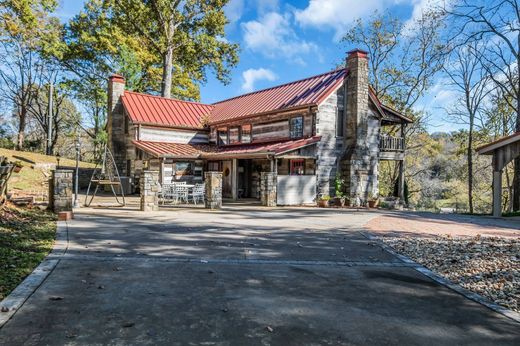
[419,8]
[273,36]
[251,76]
[234,10]
[338,14]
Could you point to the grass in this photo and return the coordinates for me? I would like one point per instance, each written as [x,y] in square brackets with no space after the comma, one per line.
[33,178]
[26,237]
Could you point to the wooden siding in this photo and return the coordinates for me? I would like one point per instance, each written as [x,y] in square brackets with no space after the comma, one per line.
[172,136]
[279,129]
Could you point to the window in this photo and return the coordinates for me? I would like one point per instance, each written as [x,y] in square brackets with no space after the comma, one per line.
[214,166]
[296,127]
[183,168]
[340,123]
[246,133]
[297,167]
[127,124]
[222,136]
[234,135]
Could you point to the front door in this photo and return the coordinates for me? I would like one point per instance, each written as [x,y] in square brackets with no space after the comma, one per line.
[226,179]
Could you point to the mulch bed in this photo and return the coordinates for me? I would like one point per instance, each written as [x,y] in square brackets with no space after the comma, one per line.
[489,266]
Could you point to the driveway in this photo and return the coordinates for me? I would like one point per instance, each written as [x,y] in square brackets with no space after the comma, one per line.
[242,276]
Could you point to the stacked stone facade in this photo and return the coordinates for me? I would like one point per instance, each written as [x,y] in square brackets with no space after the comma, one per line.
[60,190]
[149,190]
[117,138]
[359,164]
[268,182]
[213,190]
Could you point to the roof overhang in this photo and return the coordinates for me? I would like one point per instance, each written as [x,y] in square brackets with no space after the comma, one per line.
[488,149]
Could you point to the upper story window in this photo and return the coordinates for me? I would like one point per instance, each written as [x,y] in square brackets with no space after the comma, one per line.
[222,136]
[296,127]
[340,123]
[234,135]
[246,133]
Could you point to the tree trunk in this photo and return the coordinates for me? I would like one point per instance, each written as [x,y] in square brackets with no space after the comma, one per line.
[516,178]
[166,84]
[21,128]
[470,167]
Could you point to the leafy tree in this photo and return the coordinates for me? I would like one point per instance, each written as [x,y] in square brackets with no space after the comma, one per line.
[174,42]
[27,34]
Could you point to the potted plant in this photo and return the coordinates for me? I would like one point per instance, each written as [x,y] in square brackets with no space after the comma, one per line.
[373,202]
[17,166]
[323,201]
[340,198]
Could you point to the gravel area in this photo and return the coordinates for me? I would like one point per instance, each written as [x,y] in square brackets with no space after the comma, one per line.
[489,266]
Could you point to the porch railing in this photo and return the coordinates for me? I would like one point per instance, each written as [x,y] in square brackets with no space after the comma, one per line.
[391,143]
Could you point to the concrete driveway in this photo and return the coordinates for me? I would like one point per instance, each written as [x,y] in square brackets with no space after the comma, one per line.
[242,276]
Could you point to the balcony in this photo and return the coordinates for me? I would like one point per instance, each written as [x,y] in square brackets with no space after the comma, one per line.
[391,143]
[391,148]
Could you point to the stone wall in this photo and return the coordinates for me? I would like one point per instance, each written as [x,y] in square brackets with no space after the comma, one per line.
[213,197]
[61,190]
[268,189]
[149,190]
[84,174]
[116,122]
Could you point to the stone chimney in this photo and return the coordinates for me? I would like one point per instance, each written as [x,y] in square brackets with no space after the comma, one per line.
[116,121]
[360,163]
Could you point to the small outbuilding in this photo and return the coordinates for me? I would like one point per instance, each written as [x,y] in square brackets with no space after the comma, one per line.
[504,150]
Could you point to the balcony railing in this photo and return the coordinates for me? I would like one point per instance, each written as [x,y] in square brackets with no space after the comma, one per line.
[391,143]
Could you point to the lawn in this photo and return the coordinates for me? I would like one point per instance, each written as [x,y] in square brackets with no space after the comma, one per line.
[36,170]
[26,237]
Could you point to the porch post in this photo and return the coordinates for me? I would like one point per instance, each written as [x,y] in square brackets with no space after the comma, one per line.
[497,193]
[400,183]
[234,177]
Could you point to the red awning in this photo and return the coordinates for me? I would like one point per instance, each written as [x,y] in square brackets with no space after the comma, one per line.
[198,151]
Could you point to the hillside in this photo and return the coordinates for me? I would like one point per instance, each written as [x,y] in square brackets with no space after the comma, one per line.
[36,170]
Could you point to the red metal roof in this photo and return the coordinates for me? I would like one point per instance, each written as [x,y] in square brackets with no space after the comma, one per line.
[305,92]
[151,109]
[192,151]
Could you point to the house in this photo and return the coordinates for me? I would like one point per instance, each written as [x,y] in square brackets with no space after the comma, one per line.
[308,131]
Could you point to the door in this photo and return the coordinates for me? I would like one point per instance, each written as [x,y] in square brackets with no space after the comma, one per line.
[226,179]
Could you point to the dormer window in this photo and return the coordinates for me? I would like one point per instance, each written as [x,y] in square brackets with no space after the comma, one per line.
[296,127]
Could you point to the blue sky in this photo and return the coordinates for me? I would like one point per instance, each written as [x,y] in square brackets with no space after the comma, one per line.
[283,41]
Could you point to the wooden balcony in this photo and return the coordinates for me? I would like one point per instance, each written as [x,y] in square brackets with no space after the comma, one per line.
[391,148]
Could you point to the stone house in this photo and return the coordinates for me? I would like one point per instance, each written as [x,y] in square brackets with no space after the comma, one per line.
[308,132]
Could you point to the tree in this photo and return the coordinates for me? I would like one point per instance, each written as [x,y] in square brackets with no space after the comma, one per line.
[27,33]
[496,24]
[470,79]
[175,42]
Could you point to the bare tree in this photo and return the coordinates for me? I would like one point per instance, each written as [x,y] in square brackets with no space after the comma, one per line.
[495,23]
[470,79]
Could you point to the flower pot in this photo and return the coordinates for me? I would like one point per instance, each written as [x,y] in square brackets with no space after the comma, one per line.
[17,169]
[339,202]
[373,203]
[322,203]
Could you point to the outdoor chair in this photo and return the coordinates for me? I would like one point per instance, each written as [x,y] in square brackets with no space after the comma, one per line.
[181,193]
[168,193]
[198,193]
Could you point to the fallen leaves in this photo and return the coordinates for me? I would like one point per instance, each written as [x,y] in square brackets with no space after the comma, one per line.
[489,266]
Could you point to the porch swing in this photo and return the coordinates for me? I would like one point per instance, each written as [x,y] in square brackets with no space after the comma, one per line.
[105,175]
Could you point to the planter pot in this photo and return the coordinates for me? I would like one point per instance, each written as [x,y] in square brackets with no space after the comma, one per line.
[339,202]
[373,204]
[323,203]
[17,169]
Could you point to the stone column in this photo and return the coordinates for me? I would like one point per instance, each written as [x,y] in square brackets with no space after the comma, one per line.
[149,190]
[60,190]
[213,191]
[268,182]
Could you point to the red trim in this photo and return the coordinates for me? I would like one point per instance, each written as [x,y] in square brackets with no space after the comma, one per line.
[357,53]
[117,78]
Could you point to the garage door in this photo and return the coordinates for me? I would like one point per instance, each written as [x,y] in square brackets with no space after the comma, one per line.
[296,189]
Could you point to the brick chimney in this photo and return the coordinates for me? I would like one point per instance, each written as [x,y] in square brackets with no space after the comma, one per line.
[360,164]
[116,121]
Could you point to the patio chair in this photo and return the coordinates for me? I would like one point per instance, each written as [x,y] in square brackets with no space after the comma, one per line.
[168,193]
[198,193]
[181,193]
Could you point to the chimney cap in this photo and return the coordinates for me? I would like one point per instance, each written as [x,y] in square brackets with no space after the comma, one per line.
[116,78]
[357,53]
